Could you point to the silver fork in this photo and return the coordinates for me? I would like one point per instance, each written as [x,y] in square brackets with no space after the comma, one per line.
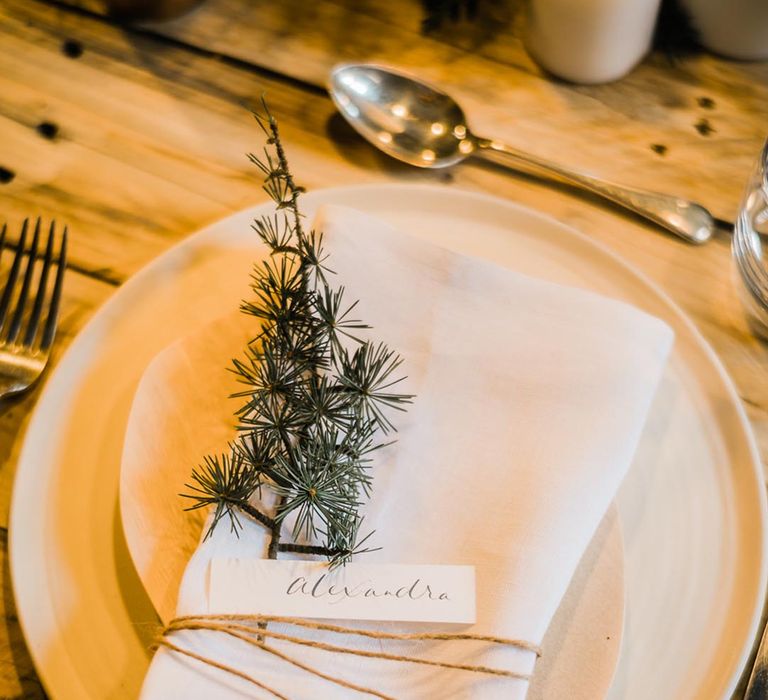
[24,346]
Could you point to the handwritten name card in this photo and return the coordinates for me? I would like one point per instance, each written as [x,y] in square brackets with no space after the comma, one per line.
[357,591]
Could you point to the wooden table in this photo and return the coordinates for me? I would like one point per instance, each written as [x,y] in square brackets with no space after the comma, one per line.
[135,137]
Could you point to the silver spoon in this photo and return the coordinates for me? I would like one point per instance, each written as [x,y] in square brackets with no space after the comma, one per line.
[423,126]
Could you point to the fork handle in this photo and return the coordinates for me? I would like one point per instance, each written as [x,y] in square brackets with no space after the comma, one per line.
[689,220]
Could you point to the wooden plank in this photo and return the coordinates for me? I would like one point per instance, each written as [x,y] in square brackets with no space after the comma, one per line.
[151,149]
[151,139]
[610,130]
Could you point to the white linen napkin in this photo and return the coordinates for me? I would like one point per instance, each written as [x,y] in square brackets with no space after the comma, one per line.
[531,398]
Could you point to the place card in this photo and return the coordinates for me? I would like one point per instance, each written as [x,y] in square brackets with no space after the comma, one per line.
[357,591]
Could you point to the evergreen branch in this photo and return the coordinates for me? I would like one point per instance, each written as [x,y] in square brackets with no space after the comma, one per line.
[276,233]
[274,541]
[225,482]
[316,392]
[313,257]
[267,120]
[367,374]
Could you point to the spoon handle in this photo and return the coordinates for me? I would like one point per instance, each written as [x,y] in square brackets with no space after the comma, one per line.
[689,220]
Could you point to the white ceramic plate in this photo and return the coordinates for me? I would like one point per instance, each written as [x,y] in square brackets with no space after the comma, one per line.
[692,509]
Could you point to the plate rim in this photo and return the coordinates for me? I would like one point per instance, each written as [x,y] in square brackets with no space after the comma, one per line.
[24,478]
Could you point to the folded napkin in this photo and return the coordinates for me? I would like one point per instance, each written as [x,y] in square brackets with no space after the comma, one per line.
[531,398]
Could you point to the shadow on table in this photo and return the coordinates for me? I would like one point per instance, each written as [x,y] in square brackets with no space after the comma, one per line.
[353,148]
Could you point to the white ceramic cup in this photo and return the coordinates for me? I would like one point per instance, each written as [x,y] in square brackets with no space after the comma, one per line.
[590,41]
[733,28]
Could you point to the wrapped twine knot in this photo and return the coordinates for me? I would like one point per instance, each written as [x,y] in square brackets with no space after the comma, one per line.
[242,627]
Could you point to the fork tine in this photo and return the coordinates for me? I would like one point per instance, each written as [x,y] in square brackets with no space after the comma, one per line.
[18,314]
[53,310]
[2,240]
[34,319]
[13,274]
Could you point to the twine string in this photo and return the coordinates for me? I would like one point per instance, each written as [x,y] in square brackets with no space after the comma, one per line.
[372,634]
[332,679]
[232,625]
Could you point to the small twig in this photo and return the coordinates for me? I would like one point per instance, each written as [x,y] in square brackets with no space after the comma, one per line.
[274,542]
[285,173]
[309,549]
[272,550]
[256,514]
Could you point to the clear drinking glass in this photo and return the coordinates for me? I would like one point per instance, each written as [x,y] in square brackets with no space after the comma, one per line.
[750,236]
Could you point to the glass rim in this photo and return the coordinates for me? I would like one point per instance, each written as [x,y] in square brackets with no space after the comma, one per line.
[752,269]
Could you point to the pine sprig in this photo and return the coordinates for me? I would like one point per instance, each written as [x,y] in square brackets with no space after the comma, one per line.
[226,482]
[317,392]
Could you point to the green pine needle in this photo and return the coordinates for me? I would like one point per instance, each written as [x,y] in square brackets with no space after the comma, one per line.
[317,392]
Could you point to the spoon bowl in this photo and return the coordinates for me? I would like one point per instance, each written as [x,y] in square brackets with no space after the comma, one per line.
[407,119]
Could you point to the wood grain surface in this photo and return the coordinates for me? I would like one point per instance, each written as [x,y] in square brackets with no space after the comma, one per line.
[690,127]
[135,136]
